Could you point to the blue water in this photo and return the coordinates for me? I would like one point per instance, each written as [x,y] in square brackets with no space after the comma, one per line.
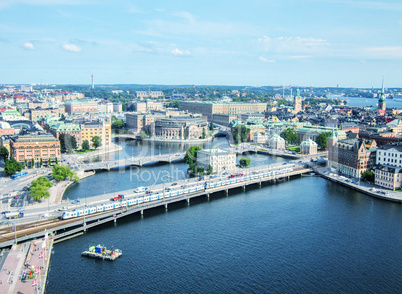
[307,235]
[363,102]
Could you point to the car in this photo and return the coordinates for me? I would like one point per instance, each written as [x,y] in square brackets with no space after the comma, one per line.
[5,211]
[16,197]
[174,184]
[12,204]
[148,192]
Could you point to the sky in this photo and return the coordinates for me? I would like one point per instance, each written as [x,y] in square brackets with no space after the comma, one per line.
[321,43]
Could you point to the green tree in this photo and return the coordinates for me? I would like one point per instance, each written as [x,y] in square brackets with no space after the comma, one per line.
[117,124]
[203,134]
[322,139]
[191,155]
[96,141]
[289,135]
[240,134]
[12,166]
[211,126]
[185,134]
[245,162]
[40,162]
[63,172]
[210,169]
[368,176]
[143,135]
[4,153]
[49,162]
[32,162]
[85,145]
[40,188]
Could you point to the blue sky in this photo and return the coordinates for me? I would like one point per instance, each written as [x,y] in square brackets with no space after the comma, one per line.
[221,42]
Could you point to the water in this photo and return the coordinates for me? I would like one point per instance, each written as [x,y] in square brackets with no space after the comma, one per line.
[363,102]
[307,235]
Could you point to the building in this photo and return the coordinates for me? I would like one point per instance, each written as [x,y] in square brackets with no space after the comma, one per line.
[308,147]
[96,128]
[350,156]
[35,147]
[146,106]
[81,107]
[149,94]
[220,160]
[72,129]
[223,119]
[180,128]
[139,122]
[208,109]
[35,114]
[105,107]
[298,102]
[388,171]
[260,138]
[382,102]
[11,115]
[277,142]
[117,107]
[6,129]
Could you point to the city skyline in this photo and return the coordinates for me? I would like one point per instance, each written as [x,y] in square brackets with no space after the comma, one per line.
[320,43]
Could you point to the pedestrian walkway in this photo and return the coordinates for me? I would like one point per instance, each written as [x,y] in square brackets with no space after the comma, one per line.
[25,267]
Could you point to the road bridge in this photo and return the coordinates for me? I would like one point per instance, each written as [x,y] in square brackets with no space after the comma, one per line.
[71,227]
[133,161]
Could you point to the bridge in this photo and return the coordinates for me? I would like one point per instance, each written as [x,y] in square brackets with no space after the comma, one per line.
[136,161]
[71,227]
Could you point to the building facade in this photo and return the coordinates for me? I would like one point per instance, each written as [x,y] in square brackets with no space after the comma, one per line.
[100,129]
[350,156]
[36,147]
[277,142]
[181,128]
[81,107]
[220,160]
[308,147]
[208,109]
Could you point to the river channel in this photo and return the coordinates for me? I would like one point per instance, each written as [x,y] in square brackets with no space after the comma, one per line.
[307,235]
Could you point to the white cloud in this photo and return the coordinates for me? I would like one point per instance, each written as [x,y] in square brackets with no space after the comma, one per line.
[29,46]
[71,48]
[178,52]
[291,44]
[263,59]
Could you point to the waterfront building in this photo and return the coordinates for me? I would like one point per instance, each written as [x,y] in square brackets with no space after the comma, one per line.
[220,160]
[350,156]
[181,127]
[139,122]
[388,170]
[59,127]
[25,148]
[208,109]
[81,107]
[308,147]
[277,142]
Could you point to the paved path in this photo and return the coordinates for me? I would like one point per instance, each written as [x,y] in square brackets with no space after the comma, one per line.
[19,262]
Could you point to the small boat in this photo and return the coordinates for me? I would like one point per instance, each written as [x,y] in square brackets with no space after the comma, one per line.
[102,252]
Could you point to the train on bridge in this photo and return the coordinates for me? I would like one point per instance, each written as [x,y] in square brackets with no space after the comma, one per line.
[128,202]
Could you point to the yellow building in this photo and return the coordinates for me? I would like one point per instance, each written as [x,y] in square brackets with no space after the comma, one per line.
[101,129]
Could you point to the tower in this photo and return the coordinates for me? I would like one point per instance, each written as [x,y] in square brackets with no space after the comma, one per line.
[382,101]
[298,102]
[93,84]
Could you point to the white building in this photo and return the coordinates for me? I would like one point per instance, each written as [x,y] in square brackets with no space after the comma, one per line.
[277,142]
[388,171]
[260,138]
[308,147]
[220,160]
